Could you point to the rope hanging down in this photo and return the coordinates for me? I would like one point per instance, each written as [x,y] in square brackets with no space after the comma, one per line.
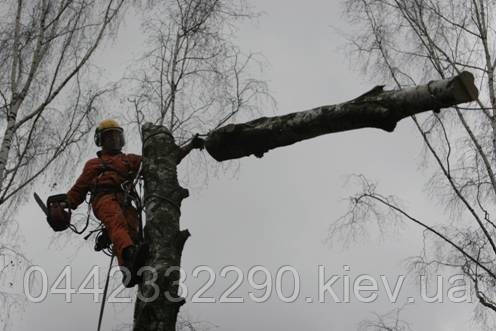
[102,307]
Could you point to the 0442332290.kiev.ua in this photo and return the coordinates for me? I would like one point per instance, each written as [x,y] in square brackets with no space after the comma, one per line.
[258,283]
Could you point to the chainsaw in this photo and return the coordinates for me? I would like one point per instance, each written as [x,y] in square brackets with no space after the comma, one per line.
[57,211]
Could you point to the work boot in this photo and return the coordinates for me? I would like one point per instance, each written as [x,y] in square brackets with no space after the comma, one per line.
[134,258]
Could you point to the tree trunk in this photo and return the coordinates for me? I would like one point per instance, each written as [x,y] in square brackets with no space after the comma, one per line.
[376,109]
[162,200]
[7,141]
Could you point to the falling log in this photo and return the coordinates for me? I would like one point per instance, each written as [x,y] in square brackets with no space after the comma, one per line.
[375,109]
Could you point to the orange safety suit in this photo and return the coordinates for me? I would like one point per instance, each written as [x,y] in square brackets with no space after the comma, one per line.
[103,176]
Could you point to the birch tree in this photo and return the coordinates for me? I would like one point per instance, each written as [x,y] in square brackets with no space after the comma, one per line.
[47,101]
[172,115]
[193,78]
[406,42]
[45,46]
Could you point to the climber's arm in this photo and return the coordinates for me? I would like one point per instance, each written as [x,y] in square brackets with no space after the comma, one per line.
[77,194]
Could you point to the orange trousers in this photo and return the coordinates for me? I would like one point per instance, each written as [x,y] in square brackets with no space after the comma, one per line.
[121,222]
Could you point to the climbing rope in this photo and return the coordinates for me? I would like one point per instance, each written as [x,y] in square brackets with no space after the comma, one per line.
[102,307]
[73,227]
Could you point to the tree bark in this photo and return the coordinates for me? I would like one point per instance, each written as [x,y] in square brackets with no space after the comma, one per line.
[7,141]
[375,109]
[162,201]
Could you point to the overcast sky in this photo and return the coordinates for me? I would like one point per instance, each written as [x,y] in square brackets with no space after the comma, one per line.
[276,210]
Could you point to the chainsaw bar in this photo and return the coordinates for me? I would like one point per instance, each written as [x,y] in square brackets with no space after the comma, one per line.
[41,203]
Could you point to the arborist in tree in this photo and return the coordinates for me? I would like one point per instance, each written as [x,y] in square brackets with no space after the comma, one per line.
[103,177]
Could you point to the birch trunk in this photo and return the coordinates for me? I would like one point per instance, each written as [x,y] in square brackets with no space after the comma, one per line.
[162,200]
[375,109]
[7,141]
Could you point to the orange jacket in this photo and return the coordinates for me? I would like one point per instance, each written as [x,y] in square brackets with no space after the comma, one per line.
[106,170]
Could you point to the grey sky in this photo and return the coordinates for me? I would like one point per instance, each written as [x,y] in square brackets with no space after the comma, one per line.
[277,210]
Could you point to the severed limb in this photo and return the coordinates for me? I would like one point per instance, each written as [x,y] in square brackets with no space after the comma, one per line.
[375,109]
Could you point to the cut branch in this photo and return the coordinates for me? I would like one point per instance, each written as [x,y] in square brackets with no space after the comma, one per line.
[375,109]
